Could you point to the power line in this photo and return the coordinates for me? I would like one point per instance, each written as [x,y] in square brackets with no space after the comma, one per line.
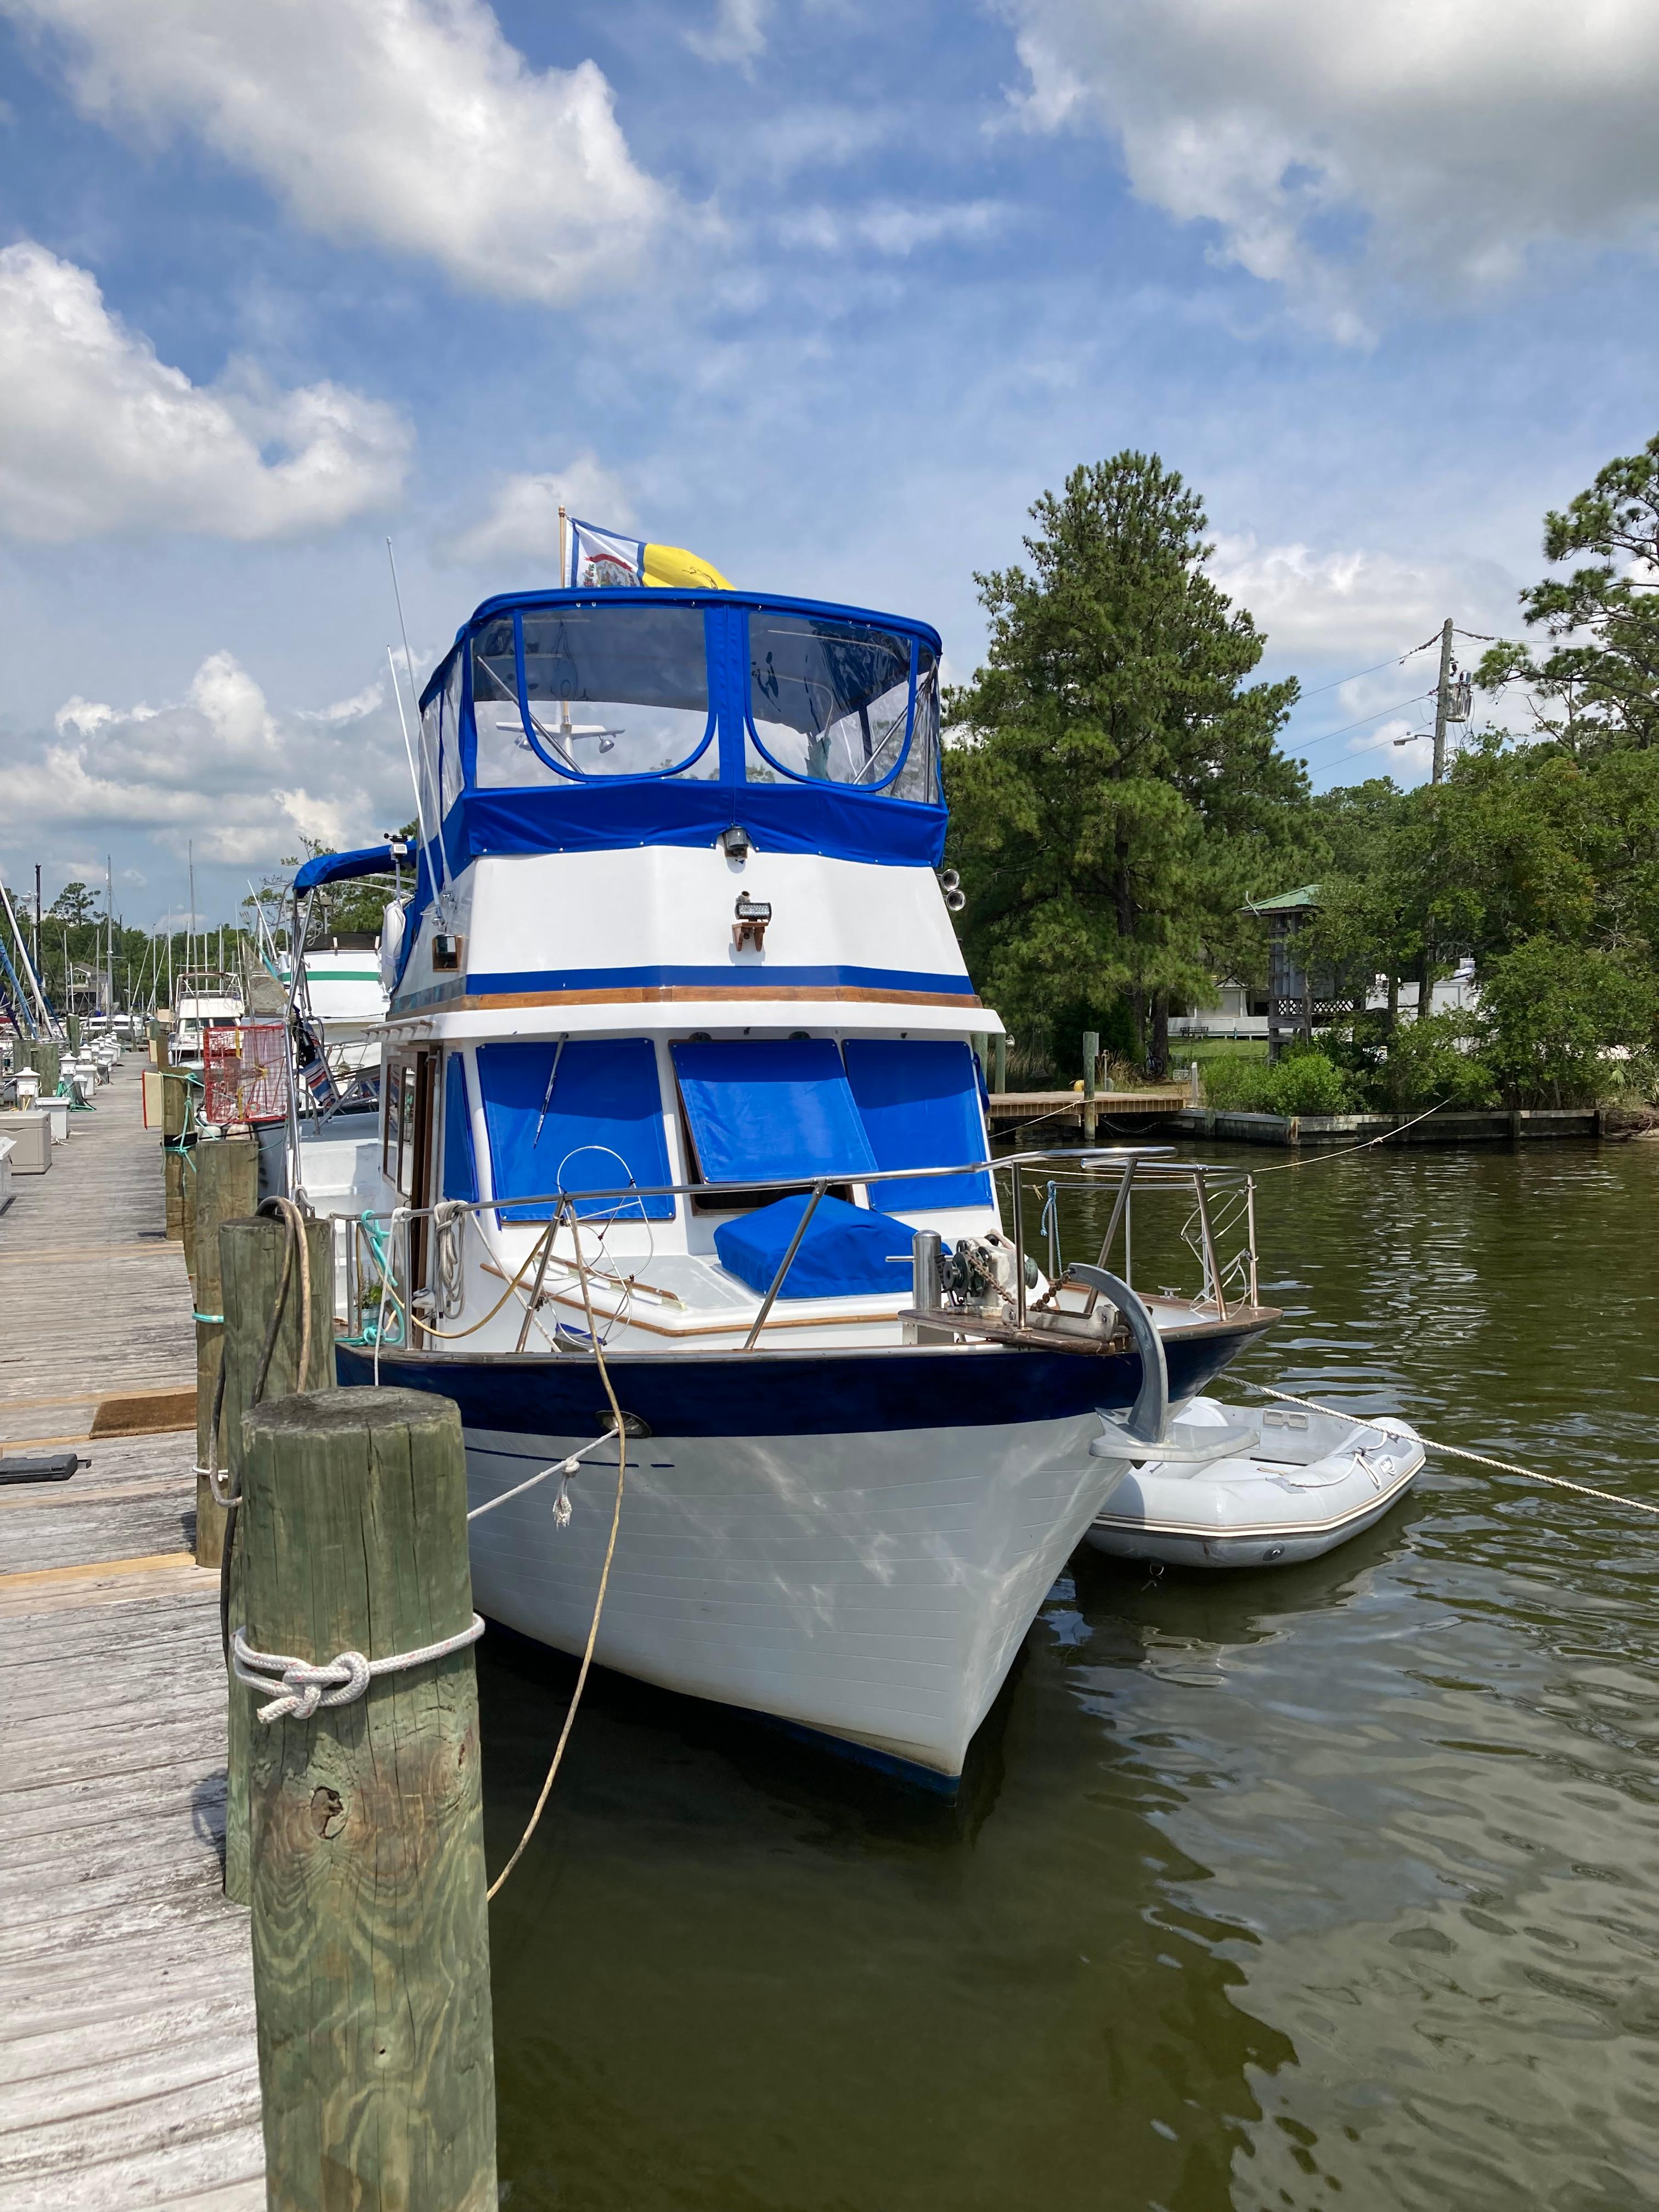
[1398,662]
[1326,737]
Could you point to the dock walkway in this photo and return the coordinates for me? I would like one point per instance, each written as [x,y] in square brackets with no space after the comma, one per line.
[128,2073]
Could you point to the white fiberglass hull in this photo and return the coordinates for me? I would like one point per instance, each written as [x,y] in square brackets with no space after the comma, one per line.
[875,1587]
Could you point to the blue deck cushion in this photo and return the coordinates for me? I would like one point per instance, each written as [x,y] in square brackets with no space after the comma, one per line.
[460,1168]
[846,1249]
[771,1110]
[920,1105]
[603,1125]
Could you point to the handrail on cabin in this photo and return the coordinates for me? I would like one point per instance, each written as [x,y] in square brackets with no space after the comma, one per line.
[1148,1156]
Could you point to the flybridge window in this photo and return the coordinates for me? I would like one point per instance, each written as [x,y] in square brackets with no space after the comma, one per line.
[832,702]
[572,694]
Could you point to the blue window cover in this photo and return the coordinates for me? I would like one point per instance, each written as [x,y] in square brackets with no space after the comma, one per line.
[920,1106]
[603,1124]
[847,1248]
[460,1168]
[770,1111]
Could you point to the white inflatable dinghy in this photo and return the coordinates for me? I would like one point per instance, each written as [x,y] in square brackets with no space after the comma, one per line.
[1222,1487]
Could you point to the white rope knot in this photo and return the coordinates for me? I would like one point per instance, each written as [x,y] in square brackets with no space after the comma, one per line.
[303,1685]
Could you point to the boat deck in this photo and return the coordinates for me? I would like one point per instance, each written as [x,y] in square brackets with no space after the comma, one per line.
[128,2072]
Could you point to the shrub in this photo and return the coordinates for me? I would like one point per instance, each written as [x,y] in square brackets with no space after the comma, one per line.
[1302,1083]
[1555,1013]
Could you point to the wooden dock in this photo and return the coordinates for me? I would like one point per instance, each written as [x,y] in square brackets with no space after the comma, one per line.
[1059,1110]
[128,2074]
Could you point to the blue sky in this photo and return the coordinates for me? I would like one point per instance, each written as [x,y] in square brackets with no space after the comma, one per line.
[828,290]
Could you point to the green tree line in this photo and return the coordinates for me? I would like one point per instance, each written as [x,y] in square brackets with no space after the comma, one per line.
[1119,796]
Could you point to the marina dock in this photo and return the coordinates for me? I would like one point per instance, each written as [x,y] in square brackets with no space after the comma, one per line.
[127,1997]
[1064,1109]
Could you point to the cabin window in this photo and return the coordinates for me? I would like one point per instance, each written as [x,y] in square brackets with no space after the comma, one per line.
[828,700]
[777,1110]
[580,1117]
[605,691]
[920,1104]
[393,1129]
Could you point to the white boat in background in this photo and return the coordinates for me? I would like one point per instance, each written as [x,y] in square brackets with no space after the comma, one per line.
[1231,1488]
[343,995]
[203,998]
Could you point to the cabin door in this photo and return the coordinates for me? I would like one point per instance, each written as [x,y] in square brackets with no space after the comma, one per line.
[422,1167]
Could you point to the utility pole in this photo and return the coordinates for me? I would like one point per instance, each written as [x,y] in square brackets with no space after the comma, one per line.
[1442,701]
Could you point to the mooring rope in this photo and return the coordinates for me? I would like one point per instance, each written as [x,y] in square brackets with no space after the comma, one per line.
[302,1686]
[1457,1451]
[605,1577]
[1347,1152]
[565,1468]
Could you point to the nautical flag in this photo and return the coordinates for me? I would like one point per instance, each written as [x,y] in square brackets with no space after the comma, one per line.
[601,557]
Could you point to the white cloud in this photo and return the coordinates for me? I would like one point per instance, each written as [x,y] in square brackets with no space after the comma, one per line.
[411,124]
[368,701]
[99,437]
[521,522]
[738,32]
[1353,603]
[892,226]
[1338,146]
[218,767]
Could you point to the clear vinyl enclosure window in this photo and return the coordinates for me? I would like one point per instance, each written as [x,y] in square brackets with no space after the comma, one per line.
[605,691]
[830,701]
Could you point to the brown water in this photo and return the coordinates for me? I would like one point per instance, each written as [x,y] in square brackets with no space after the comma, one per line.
[1334,1885]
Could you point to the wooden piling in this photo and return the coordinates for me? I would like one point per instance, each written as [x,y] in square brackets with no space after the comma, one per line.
[1000,1080]
[226,1187]
[371,1961]
[250,1271]
[175,1117]
[1090,1062]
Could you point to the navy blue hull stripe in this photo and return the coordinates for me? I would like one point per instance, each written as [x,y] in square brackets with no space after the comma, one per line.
[832,1392]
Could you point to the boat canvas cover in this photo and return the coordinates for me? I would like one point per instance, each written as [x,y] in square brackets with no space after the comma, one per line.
[846,1249]
[771,1110]
[918,1103]
[460,1168]
[597,1126]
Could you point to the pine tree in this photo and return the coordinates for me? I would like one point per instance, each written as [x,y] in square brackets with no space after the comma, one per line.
[1115,785]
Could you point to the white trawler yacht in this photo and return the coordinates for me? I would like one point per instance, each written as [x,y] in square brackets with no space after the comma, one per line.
[679,981]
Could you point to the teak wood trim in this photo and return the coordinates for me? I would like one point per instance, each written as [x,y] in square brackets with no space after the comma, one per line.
[660,995]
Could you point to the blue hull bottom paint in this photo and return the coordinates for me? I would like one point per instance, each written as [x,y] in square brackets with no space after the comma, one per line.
[772,1393]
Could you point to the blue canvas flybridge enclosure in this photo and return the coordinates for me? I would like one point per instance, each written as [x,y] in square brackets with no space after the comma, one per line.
[572,721]
[584,1115]
[768,1110]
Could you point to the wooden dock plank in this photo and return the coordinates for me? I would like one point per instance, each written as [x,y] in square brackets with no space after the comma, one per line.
[128,2071]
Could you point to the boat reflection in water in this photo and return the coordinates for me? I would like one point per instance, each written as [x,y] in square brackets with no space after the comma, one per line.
[680,1068]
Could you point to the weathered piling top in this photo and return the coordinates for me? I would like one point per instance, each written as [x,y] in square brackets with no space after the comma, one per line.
[126,2005]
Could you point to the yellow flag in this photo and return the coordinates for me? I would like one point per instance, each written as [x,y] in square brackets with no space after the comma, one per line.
[671,568]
